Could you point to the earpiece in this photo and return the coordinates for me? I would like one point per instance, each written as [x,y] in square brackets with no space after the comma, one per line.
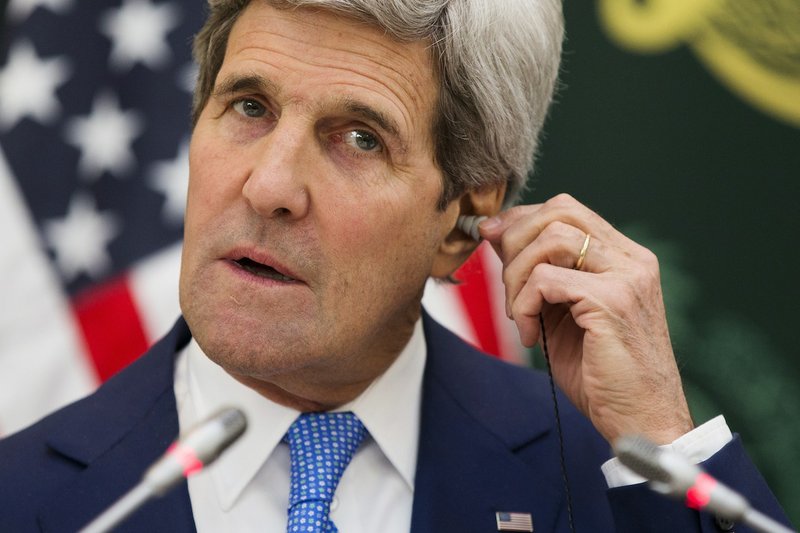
[469,225]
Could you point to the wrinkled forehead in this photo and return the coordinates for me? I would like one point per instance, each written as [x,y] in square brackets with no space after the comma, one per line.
[308,47]
[316,29]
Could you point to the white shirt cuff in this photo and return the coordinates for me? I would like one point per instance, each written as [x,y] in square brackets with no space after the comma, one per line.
[697,446]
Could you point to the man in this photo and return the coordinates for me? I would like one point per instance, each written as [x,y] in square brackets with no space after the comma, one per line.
[335,145]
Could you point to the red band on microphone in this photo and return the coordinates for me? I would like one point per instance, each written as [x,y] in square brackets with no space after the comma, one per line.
[186,457]
[699,494]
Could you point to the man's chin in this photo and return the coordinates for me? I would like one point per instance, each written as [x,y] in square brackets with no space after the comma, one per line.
[251,341]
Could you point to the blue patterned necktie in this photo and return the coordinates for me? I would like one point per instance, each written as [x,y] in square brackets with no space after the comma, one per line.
[321,446]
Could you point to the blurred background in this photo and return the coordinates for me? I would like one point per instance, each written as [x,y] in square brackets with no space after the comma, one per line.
[677,120]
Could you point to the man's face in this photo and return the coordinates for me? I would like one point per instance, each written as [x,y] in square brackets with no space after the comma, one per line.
[311,223]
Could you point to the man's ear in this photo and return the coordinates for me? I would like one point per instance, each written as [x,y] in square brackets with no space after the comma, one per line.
[457,246]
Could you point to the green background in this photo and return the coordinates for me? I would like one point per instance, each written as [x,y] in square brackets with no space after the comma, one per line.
[664,151]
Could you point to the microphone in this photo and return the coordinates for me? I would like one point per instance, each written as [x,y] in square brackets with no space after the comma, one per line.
[672,474]
[201,445]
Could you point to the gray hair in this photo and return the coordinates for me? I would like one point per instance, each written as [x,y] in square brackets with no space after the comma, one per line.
[497,65]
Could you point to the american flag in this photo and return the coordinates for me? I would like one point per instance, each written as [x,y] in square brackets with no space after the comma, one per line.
[94,130]
[514,522]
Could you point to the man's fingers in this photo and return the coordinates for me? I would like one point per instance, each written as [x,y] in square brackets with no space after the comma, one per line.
[547,284]
[495,228]
[511,231]
[559,245]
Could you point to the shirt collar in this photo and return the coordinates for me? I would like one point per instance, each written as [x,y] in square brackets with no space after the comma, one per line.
[389,408]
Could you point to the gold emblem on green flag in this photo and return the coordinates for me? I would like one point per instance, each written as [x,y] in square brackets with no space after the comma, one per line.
[752,46]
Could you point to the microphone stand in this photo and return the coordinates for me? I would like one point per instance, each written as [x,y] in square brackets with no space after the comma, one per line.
[672,474]
[199,447]
[121,509]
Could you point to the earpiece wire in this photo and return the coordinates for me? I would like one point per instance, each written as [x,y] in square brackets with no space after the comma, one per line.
[561,450]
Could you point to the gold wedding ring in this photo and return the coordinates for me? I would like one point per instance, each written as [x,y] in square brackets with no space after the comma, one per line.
[582,255]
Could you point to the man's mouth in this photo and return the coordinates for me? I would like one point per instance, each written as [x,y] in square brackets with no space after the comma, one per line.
[261,270]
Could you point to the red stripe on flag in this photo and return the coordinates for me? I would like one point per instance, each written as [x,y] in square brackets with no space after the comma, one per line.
[111,327]
[475,297]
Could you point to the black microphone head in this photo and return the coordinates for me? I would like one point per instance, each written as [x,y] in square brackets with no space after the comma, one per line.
[642,457]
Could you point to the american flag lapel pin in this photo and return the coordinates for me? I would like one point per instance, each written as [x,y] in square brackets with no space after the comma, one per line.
[514,521]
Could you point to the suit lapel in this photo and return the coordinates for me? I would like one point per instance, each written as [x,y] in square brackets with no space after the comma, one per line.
[481,451]
[121,430]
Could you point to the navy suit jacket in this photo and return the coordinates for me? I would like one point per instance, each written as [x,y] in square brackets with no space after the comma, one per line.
[488,443]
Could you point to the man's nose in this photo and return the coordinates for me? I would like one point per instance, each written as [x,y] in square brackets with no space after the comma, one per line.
[278,182]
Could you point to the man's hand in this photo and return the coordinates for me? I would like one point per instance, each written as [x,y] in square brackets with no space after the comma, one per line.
[605,323]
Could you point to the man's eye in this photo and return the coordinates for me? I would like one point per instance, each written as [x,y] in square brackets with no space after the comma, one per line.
[249,108]
[363,140]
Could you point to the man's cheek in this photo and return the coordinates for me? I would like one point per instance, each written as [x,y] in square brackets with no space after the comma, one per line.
[354,228]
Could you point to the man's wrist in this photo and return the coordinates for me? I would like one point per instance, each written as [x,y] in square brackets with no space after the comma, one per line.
[697,445]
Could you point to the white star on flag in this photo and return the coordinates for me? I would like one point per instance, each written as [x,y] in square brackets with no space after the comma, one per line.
[105,137]
[22,9]
[138,32]
[80,240]
[28,86]
[171,178]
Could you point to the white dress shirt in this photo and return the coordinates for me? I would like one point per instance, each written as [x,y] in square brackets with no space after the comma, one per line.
[247,489]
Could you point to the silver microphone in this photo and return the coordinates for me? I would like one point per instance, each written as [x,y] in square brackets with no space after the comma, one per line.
[201,445]
[672,474]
